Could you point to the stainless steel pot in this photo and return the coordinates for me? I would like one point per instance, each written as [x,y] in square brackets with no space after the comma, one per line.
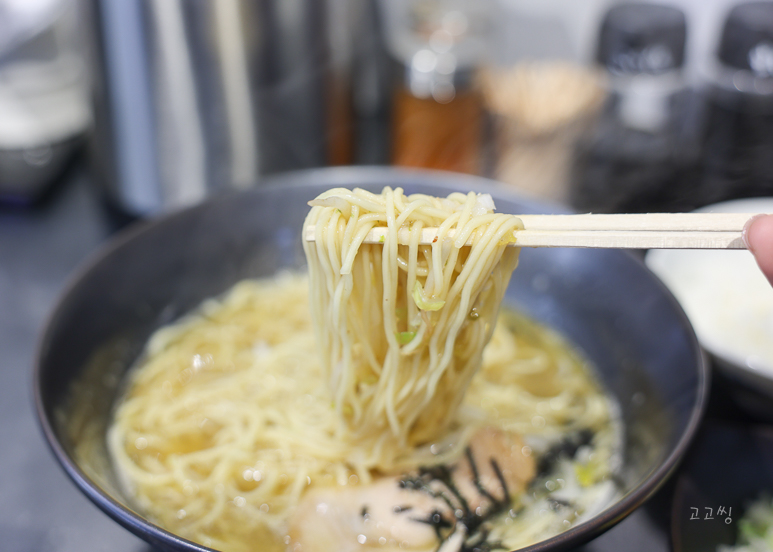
[196,96]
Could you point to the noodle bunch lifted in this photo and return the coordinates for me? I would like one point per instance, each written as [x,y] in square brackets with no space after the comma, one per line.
[403,326]
[256,422]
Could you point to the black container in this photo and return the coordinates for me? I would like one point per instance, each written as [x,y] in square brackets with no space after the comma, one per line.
[639,156]
[737,158]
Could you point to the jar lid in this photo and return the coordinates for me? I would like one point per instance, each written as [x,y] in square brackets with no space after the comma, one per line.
[747,39]
[642,38]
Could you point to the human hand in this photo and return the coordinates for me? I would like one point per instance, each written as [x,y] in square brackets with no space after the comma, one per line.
[758,236]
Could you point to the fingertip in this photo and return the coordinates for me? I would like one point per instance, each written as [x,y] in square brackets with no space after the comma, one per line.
[758,236]
[758,232]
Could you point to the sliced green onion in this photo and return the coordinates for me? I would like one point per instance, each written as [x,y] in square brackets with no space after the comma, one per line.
[422,302]
[403,338]
[585,474]
[333,201]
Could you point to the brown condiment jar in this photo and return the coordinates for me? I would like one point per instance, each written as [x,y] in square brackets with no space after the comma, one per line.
[434,134]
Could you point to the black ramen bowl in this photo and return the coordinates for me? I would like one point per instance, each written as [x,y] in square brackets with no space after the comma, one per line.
[615,310]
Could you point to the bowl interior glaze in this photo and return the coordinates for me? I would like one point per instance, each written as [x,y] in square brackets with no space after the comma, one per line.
[606,302]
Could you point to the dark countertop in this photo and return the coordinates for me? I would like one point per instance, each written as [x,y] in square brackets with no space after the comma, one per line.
[40,509]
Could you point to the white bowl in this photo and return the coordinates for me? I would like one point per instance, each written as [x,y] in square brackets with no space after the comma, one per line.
[728,300]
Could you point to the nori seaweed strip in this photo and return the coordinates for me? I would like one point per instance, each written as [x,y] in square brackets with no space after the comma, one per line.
[476,532]
[566,448]
[438,523]
[501,477]
[476,477]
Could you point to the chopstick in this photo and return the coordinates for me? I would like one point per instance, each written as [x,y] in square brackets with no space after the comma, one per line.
[624,231]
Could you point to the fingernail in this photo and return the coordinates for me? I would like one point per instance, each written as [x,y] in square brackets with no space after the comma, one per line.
[746,230]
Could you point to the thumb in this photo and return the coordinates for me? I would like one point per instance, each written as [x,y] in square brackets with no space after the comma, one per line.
[758,236]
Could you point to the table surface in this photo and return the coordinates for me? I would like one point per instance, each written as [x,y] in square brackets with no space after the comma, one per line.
[40,509]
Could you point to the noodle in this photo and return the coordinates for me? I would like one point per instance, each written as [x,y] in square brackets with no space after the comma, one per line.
[236,412]
[399,344]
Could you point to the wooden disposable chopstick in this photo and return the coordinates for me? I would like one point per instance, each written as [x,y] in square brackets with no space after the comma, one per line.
[647,231]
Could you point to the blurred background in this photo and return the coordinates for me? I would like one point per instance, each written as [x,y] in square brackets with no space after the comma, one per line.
[606,106]
[117,110]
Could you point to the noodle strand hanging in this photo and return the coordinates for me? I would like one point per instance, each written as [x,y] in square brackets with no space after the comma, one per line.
[402,327]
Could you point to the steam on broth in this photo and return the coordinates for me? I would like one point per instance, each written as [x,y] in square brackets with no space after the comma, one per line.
[403,411]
